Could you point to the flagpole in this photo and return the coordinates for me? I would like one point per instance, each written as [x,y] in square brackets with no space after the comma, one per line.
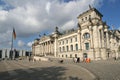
[12,42]
[13,36]
[11,52]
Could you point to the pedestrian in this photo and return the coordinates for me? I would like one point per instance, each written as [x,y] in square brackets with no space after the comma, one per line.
[75,60]
[29,59]
[78,60]
[115,58]
[61,61]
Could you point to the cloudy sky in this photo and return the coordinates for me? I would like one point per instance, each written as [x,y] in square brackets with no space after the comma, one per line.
[33,17]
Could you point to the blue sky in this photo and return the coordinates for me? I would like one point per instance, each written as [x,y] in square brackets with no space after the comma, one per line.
[33,17]
[111,12]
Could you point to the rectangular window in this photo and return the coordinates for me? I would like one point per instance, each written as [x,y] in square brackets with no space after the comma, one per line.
[63,42]
[87,46]
[66,41]
[71,40]
[59,43]
[76,39]
[71,47]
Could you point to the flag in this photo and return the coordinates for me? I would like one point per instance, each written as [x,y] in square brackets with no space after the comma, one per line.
[14,34]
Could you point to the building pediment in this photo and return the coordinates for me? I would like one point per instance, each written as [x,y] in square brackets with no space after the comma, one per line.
[44,38]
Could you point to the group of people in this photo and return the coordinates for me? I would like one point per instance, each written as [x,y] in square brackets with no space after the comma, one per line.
[77,60]
[87,60]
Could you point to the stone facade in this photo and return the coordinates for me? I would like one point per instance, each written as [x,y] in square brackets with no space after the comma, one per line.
[92,39]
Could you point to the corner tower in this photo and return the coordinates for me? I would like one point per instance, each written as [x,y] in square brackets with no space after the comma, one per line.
[91,16]
[93,32]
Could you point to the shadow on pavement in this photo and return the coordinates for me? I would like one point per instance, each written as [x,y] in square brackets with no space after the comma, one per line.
[45,73]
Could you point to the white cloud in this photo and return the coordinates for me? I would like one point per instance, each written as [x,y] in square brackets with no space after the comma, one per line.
[48,5]
[29,44]
[3,15]
[118,28]
[69,25]
[33,16]
[21,43]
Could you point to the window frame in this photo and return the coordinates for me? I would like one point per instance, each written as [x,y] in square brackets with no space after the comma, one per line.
[87,46]
[86,36]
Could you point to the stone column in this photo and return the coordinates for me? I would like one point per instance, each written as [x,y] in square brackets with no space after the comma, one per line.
[42,48]
[103,43]
[79,39]
[91,37]
[100,39]
[52,50]
[80,42]
[96,42]
[96,39]
[35,49]
[49,46]
[45,49]
[55,47]
[108,42]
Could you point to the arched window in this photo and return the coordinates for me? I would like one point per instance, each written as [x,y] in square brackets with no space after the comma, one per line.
[71,47]
[76,46]
[86,35]
[76,55]
[66,56]
[60,49]
[63,48]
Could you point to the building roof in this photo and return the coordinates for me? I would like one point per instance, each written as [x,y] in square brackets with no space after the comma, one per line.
[91,9]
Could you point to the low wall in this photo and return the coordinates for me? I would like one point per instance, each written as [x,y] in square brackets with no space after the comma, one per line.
[36,58]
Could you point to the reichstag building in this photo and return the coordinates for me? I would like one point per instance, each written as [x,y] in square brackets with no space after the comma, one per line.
[92,39]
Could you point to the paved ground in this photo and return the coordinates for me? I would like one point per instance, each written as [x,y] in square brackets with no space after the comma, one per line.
[25,70]
[104,70]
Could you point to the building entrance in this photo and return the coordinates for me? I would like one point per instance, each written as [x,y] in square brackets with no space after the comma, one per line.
[85,55]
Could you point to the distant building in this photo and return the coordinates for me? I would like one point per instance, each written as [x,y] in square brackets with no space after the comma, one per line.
[6,53]
[92,39]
